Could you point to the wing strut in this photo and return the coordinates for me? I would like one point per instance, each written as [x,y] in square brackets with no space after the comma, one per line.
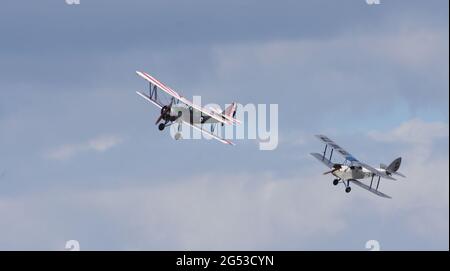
[152,91]
[378,183]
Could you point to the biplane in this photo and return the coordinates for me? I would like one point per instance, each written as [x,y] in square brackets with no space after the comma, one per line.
[180,110]
[352,171]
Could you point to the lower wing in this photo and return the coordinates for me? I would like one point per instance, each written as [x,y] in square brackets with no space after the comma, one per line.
[209,134]
[366,187]
[145,96]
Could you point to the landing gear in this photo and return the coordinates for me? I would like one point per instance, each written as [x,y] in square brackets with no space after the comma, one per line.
[178,135]
[335,181]
[348,189]
[161,126]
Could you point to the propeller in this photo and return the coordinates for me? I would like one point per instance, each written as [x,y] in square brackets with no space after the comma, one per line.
[336,167]
[165,110]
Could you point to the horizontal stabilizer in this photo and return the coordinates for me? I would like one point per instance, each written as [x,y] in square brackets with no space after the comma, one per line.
[399,174]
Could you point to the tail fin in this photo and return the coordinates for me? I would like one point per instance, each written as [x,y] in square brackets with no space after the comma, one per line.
[230,111]
[394,167]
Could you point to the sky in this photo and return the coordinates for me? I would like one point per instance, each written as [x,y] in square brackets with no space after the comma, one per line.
[81,158]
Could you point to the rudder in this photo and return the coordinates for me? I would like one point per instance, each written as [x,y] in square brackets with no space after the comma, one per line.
[395,165]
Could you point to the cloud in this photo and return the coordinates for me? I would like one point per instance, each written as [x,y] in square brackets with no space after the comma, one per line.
[98,144]
[229,212]
[192,213]
[306,77]
[422,199]
[104,143]
[246,211]
[415,131]
[295,138]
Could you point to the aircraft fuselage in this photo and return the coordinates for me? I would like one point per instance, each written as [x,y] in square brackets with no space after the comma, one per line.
[356,173]
[189,114]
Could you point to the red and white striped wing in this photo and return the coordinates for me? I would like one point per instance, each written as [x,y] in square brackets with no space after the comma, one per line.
[160,85]
[177,96]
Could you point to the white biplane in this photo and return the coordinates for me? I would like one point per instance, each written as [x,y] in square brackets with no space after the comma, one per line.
[180,110]
[352,170]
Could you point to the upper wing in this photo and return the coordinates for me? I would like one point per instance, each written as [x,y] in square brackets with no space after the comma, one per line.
[177,96]
[209,134]
[366,187]
[323,159]
[337,148]
[160,85]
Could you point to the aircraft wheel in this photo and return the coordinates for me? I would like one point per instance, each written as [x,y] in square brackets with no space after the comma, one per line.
[161,126]
[177,136]
[348,189]
[335,181]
